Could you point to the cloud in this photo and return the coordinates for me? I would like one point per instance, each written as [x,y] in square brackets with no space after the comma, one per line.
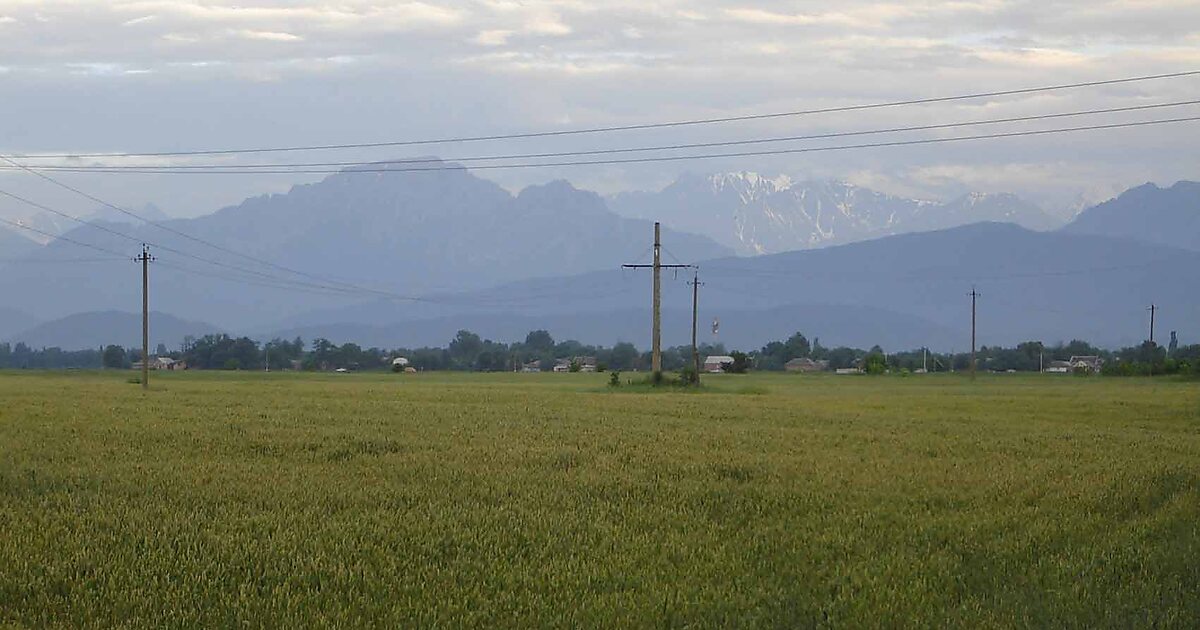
[762,16]
[139,20]
[6,19]
[268,36]
[493,37]
[547,25]
[1038,57]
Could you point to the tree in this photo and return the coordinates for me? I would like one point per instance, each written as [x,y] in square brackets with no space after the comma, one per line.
[539,341]
[465,347]
[874,362]
[114,357]
[739,365]
[624,356]
[796,346]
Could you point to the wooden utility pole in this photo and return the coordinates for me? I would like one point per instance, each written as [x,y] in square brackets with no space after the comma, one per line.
[695,312]
[656,304]
[974,295]
[145,258]
[1152,310]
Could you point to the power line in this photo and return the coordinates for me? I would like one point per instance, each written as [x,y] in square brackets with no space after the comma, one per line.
[635,127]
[672,158]
[113,168]
[199,240]
[178,252]
[65,239]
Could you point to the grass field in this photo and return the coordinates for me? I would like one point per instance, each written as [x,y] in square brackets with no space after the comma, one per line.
[547,500]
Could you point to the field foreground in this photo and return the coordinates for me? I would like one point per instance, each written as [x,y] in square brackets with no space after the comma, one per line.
[547,500]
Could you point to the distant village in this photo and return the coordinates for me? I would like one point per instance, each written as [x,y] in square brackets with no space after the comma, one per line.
[540,352]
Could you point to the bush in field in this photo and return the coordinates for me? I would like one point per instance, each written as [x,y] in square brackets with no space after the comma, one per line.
[739,365]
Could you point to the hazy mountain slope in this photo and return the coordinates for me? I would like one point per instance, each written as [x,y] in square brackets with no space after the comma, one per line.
[1168,216]
[757,215]
[48,223]
[741,329]
[92,330]
[14,321]
[14,245]
[407,233]
[1035,285]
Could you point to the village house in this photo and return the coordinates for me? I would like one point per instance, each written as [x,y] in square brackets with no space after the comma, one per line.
[713,363]
[1089,363]
[162,363]
[1058,367]
[805,364]
[586,364]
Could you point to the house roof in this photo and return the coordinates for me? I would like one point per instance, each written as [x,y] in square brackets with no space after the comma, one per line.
[718,358]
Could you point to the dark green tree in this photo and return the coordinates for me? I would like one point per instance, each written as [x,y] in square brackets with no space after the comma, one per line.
[114,357]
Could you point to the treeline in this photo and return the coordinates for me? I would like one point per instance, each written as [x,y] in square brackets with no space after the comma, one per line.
[21,357]
[467,351]
[1029,356]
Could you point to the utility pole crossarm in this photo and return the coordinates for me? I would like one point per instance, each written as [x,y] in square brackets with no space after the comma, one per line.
[656,301]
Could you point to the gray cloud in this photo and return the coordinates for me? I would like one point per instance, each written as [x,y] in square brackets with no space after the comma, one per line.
[159,75]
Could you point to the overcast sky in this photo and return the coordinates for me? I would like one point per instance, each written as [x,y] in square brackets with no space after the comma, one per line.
[82,75]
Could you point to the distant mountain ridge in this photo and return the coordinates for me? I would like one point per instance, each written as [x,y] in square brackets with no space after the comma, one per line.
[94,329]
[402,233]
[754,214]
[909,289]
[1166,216]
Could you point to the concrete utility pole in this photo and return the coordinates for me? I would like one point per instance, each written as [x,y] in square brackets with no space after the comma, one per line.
[145,258]
[656,333]
[974,295]
[695,312]
[1152,310]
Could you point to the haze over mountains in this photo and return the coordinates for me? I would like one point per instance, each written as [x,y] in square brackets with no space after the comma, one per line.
[754,214]
[482,258]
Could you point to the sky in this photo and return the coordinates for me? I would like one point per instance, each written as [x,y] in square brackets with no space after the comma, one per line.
[158,75]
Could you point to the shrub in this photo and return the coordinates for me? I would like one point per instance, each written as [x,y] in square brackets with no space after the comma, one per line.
[739,365]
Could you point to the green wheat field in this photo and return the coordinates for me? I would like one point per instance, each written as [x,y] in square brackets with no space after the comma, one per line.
[552,500]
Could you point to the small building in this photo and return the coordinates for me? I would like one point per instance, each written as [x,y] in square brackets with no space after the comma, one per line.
[532,367]
[586,364]
[1089,363]
[1058,367]
[161,363]
[714,364]
[805,364]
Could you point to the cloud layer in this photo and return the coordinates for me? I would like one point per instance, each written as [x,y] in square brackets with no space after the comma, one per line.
[158,74]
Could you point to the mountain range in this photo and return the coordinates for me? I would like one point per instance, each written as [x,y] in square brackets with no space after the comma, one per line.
[912,288]
[753,214]
[432,252]
[400,233]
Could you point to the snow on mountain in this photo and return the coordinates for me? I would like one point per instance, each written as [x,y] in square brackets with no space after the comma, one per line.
[755,214]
